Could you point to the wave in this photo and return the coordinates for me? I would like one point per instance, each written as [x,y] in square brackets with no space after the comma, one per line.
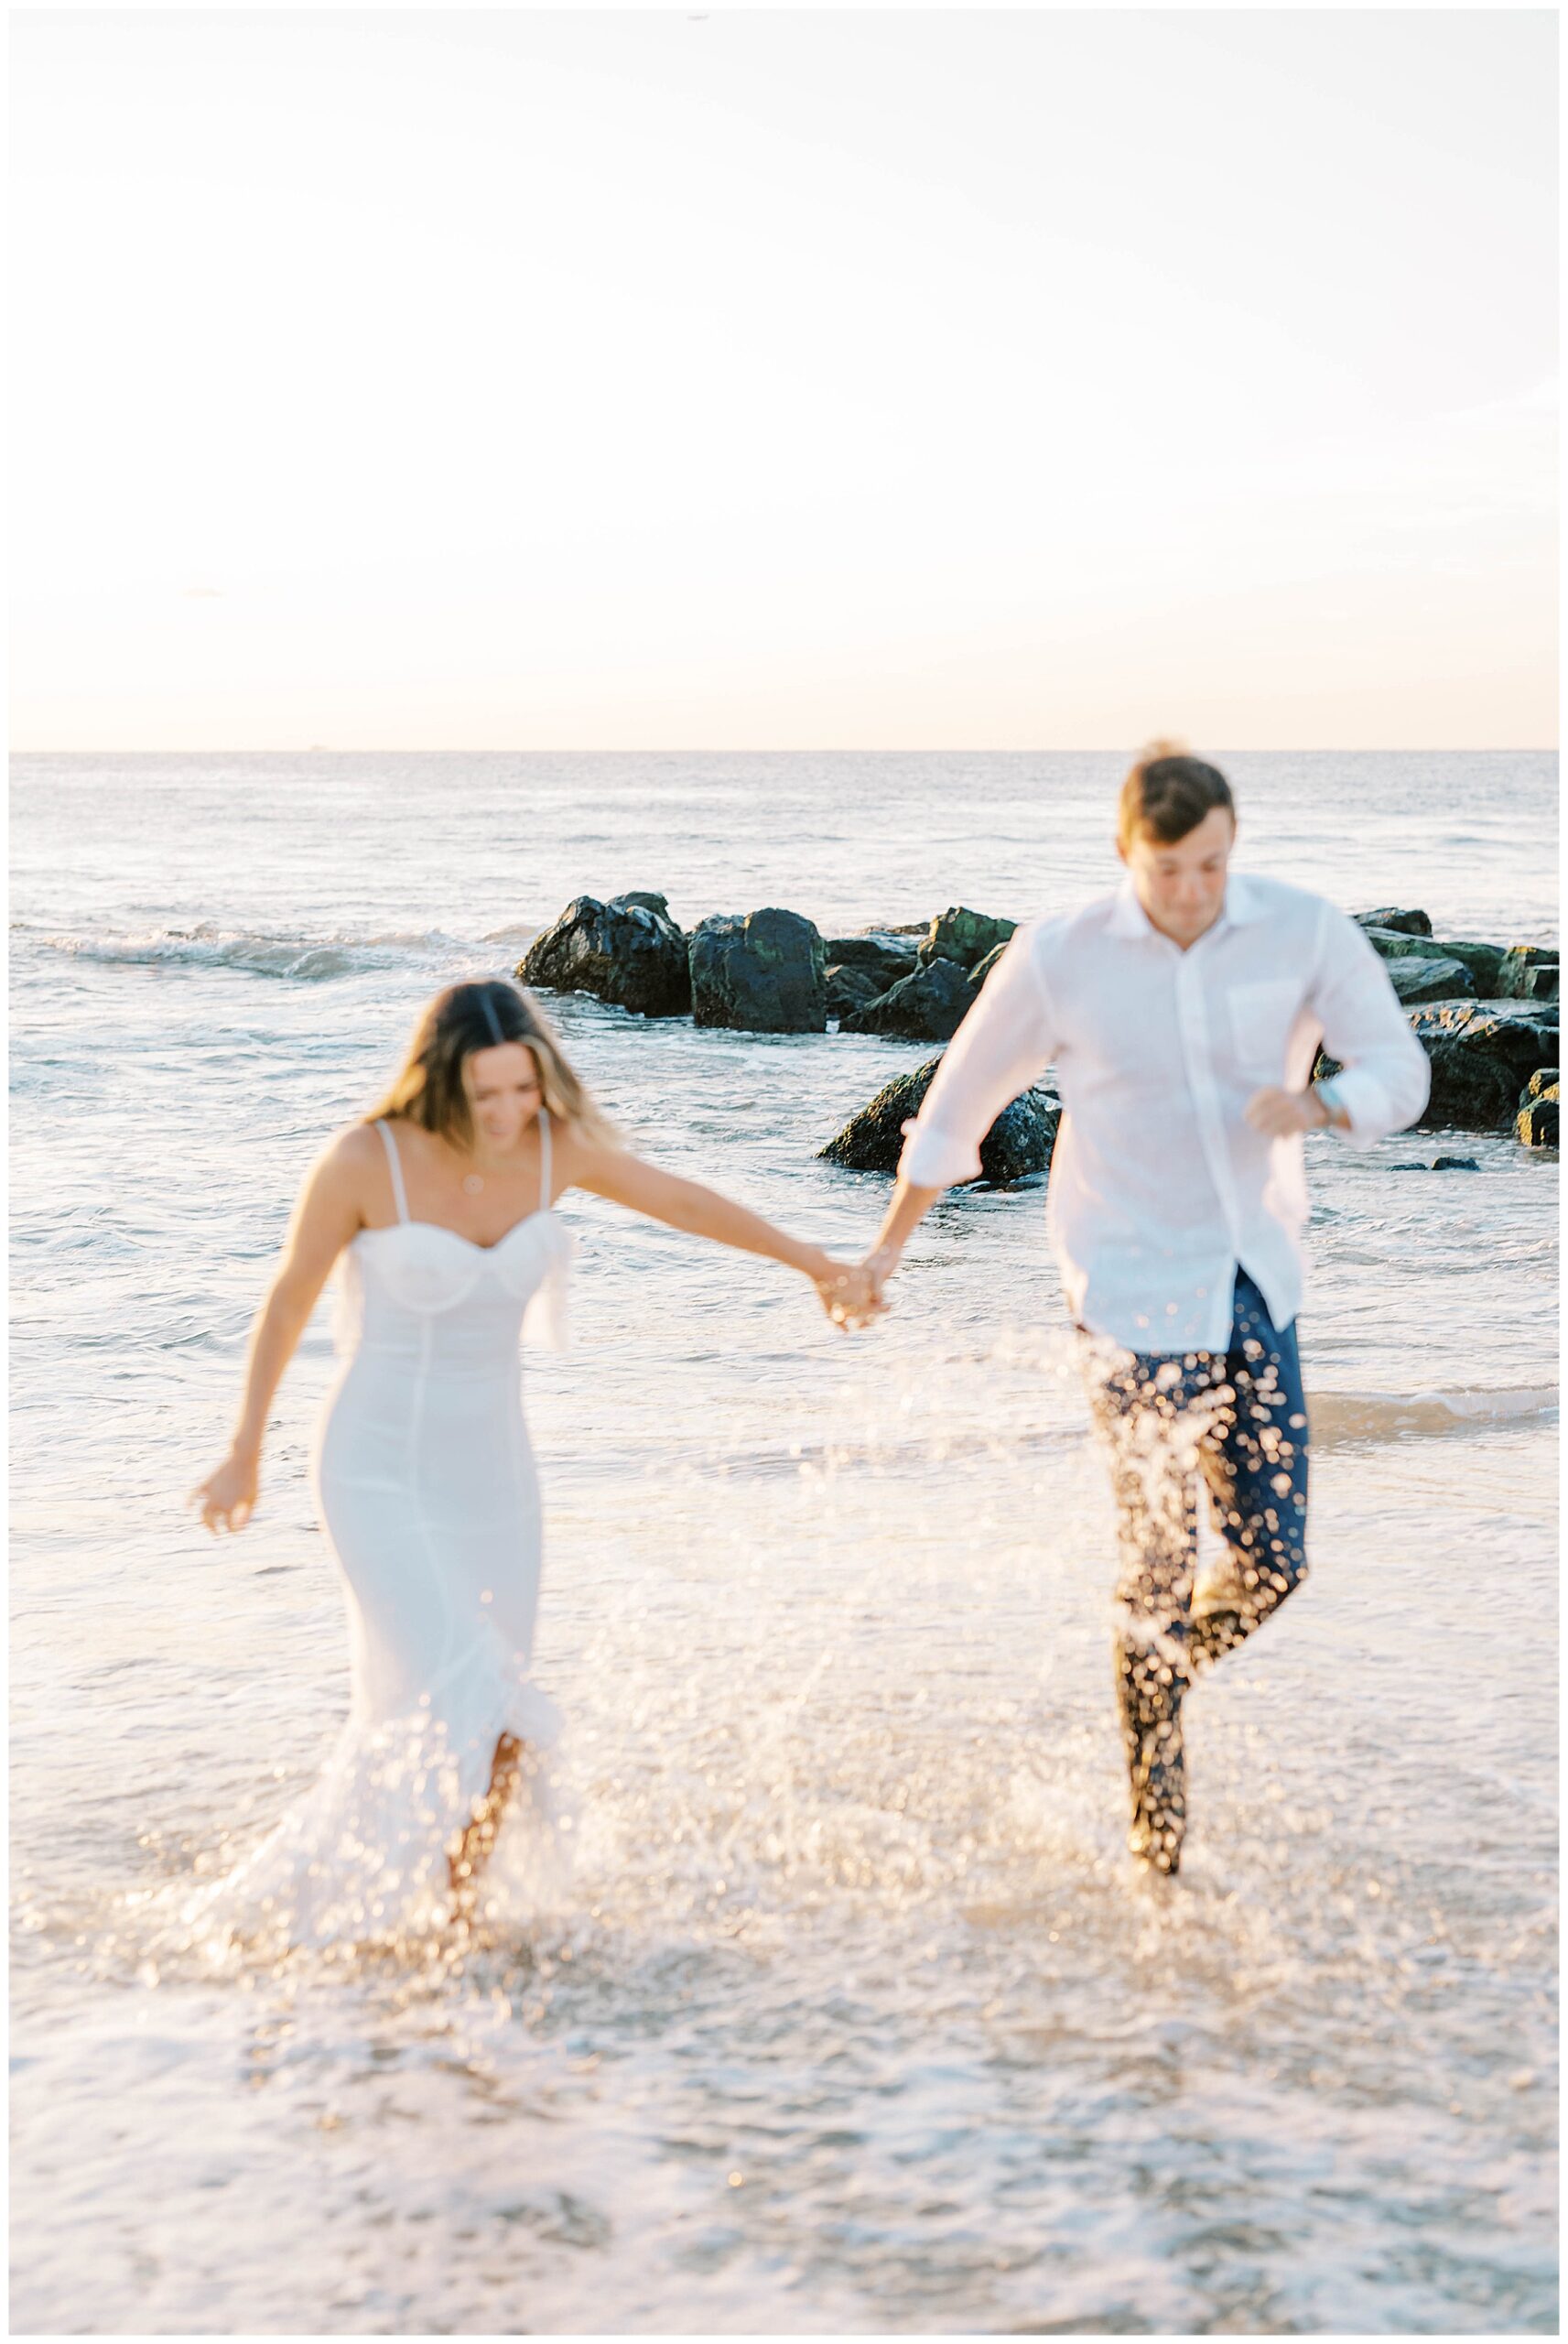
[299,959]
[1342,1419]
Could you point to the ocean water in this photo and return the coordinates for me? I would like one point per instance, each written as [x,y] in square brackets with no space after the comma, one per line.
[854,2015]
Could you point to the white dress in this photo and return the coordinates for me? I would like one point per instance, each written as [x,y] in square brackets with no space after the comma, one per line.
[426,1484]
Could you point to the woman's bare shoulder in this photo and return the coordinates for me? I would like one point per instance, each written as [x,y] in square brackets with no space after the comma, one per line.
[577,1151]
[355,1144]
[350,1158]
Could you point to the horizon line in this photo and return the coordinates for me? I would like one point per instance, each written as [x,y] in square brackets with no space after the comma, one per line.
[950,749]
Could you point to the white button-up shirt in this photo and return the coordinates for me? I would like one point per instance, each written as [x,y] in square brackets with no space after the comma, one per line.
[1159,1186]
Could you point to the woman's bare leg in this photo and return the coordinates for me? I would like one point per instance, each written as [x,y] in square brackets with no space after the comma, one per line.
[467,1861]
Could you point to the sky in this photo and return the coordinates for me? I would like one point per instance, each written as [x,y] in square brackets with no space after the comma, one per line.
[1022,379]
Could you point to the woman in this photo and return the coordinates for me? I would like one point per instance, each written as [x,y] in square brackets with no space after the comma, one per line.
[442,1204]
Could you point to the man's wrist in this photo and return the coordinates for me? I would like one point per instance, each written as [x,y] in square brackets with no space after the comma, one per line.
[1330,1104]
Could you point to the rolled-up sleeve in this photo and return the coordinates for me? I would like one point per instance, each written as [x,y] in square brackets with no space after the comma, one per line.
[1385,1075]
[1003,1045]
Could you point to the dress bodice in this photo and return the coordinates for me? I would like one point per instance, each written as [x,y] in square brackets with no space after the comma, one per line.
[418,1291]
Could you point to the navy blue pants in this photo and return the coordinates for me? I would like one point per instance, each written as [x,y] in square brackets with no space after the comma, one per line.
[1233,1423]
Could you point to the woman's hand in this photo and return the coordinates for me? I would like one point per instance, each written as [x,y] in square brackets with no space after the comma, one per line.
[847,1292]
[226,1498]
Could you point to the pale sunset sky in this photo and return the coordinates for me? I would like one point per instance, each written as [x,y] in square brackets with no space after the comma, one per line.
[755,379]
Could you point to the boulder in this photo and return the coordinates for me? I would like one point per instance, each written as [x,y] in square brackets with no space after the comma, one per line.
[1019,1143]
[1412,923]
[643,900]
[1483,1055]
[872,1140]
[1416,979]
[1483,960]
[1017,1146]
[965,937]
[881,951]
[1536,1124]
[982,969]
[622,951]
[929,1006]
[849,988]
[1440,1164]
[1529,973]
[759,972]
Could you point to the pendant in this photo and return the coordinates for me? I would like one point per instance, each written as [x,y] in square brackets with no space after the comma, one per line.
[473,1184]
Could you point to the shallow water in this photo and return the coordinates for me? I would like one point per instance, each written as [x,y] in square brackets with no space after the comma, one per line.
[855,2015]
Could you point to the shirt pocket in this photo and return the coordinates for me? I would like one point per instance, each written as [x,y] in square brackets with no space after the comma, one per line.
[1262,1016]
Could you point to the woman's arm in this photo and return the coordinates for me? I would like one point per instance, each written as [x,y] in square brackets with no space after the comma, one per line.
[328,1214]
[626,1179]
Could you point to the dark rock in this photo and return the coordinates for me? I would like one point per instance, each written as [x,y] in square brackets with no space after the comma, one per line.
[882,951]
[872,1140]
[1019,1143]
[1415,978]
[1412,923]
[641,900]
[622,951]
[760,972]
[1529,973]
[965,937]
[849,989]
[982,969]
[1440,1164]
[1483,1054]
[1017,1146]
[1536,1123]
[1483,960]
[929,1006]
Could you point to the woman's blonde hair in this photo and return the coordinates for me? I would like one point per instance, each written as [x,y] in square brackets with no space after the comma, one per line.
[428,1087]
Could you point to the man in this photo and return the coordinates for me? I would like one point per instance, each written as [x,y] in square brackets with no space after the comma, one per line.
[1182,1015]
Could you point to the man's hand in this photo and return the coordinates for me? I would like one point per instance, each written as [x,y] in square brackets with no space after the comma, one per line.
[878,1266]
[850,1295]
[1278,1113]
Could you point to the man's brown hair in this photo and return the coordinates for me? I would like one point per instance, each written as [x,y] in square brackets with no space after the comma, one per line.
[1167,794]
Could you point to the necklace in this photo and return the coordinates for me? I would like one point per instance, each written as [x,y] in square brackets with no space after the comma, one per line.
[473,1184]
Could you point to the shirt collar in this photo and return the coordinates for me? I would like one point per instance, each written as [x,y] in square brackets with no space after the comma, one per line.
[1242,907]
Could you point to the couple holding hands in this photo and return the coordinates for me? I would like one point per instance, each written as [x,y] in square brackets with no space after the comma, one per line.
[1183,1015]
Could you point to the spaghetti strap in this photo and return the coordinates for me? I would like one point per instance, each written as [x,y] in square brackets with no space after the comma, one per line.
[544,1159]
[392,1158]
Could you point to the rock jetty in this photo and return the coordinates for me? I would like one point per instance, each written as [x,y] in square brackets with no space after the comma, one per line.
[1485,1013]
